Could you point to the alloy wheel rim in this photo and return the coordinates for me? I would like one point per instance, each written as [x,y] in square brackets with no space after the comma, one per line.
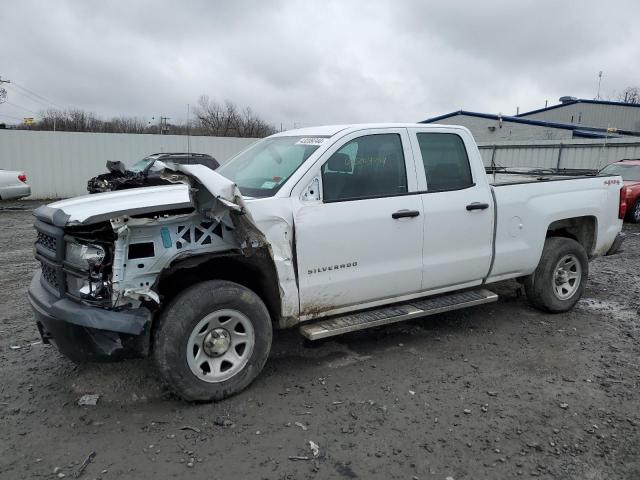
[636,212]
[567,277]
[220,345]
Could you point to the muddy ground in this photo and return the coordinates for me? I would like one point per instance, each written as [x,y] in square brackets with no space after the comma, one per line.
[497,391]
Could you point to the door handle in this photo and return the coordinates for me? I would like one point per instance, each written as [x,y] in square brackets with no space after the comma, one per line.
[405,214]
[477,206]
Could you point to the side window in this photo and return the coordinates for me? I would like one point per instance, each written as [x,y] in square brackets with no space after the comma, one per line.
[445,160]
[368,166]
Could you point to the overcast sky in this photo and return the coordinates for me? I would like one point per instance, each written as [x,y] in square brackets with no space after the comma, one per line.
[315,62]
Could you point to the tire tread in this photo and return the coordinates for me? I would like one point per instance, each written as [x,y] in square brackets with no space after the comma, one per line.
[175,323]
[537,285]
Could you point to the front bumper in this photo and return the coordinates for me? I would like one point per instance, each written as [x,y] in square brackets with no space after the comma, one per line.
[89,334]
[13,192]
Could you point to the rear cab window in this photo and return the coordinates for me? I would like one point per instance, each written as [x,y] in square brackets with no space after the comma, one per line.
[445,161]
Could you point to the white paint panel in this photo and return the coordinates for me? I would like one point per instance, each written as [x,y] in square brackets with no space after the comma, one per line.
[58,164]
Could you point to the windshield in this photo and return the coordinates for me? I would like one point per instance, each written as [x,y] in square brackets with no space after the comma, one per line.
[262,169]
[629,173]
[140,164]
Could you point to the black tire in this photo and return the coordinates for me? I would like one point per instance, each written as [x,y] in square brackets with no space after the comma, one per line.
[634,213]
[540,286]
[176,326]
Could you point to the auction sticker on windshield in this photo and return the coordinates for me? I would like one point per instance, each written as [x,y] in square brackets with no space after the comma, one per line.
[311,141]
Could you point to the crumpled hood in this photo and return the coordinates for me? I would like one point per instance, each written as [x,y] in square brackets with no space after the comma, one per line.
[89,209]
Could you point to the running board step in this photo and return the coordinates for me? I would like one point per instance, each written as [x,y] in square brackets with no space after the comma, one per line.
[396,313]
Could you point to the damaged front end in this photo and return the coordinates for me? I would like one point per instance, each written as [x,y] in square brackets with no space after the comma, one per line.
[102,257]
[118,177]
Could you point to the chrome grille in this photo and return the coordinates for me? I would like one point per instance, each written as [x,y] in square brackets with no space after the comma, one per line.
[49,250]
[50,275]
[47,241]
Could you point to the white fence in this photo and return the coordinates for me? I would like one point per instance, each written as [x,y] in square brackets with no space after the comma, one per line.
[588,154]
[58,164]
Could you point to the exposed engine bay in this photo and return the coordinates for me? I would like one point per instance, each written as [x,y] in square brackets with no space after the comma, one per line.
[116,253]
[119,177]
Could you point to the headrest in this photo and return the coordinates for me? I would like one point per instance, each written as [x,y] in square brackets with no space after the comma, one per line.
[340,162]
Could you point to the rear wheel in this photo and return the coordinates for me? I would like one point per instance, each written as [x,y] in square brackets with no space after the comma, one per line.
[212,340]
[560,278]
[634,214]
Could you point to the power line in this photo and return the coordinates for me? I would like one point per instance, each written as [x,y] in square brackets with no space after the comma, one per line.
[37,95]
[10,116]
[23,108]
[32,98]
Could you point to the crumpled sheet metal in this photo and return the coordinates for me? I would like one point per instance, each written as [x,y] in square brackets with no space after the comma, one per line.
[275,231]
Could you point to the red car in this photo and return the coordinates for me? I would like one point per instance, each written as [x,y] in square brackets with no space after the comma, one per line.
[629,170]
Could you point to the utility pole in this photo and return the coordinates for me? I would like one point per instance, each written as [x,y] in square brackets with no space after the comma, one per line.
[599,81]
[163,124]
[3,92]
[188,129]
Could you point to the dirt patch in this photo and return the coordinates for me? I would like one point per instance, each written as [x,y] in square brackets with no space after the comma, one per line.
[496,391]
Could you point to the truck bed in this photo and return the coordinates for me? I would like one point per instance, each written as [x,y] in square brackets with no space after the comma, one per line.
[506,176]
[497,179]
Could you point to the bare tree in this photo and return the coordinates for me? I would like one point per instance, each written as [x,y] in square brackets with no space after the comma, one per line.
[630,95]
[76,120]
[72,120]
[225,120]
[126,125]
[211,118]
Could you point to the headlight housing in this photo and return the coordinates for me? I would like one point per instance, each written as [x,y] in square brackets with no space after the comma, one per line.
[88,270]
[83,256]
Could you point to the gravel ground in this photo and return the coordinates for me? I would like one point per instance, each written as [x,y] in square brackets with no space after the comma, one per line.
[496,391]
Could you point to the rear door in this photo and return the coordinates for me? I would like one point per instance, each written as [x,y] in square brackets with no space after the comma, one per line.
[361,241]
[458,208]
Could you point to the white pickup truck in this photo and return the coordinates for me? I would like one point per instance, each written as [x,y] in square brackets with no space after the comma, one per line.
[332,229]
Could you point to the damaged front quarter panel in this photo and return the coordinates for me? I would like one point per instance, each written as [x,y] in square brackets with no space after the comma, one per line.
[202,213]
[263,224]
[144,247]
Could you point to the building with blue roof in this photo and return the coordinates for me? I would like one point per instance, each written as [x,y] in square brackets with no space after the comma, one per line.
[572,118]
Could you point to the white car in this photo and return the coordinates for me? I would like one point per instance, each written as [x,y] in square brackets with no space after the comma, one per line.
[332,229]
[13,184]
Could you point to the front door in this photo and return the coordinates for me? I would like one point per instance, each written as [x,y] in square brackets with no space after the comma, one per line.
[362,242]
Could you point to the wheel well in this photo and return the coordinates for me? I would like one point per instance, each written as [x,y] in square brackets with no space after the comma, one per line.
[257,272]
[581,229]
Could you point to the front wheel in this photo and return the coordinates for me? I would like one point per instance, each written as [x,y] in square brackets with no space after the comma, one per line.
[560,278]
[212,340]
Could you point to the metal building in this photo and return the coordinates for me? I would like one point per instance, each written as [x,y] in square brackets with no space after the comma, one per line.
[486,127]
[592,113]
[572,118]
[575,134]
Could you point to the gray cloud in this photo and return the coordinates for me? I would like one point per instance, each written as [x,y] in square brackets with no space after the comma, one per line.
[316,62]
